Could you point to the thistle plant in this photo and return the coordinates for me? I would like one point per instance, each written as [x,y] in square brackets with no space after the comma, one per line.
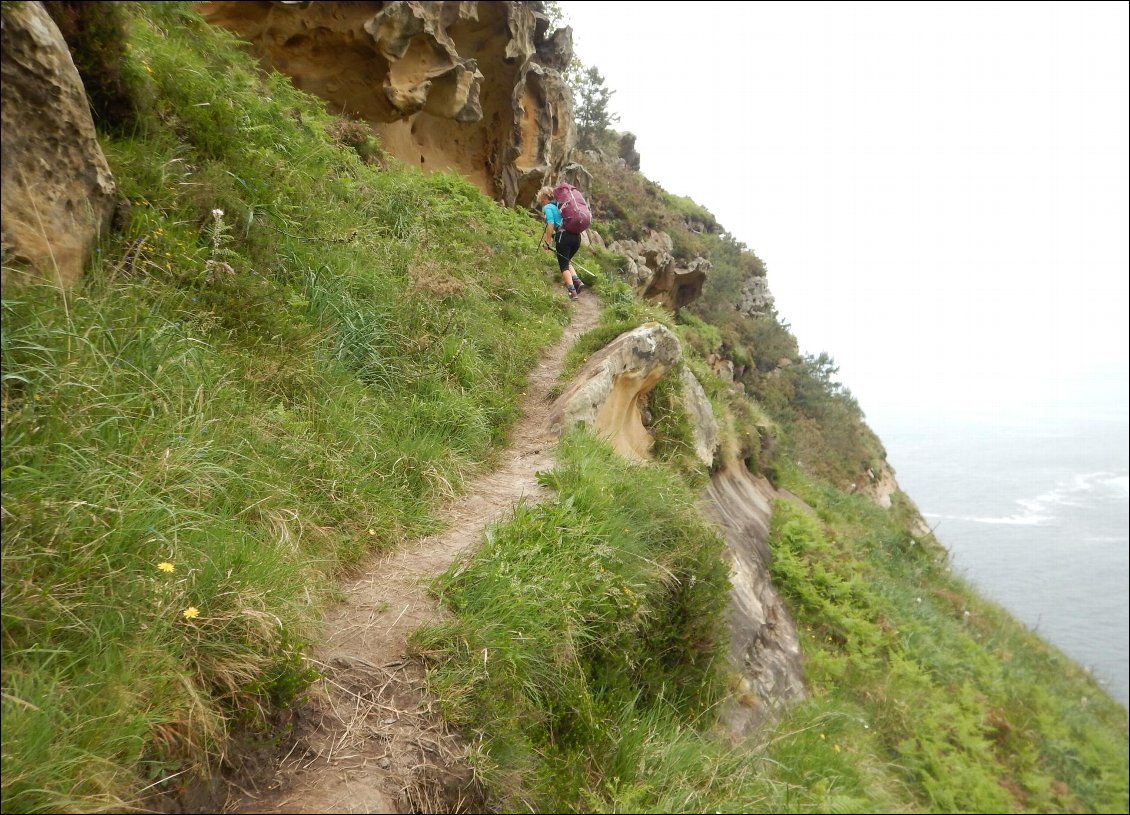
[215,265]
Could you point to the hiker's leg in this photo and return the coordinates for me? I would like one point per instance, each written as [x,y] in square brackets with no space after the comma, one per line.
[567,246]
[563,263]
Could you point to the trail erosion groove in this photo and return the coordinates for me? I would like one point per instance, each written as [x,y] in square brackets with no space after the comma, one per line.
[369,739]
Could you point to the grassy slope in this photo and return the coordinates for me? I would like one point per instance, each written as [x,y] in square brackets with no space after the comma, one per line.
[256,398]
[262,428]
[583,662]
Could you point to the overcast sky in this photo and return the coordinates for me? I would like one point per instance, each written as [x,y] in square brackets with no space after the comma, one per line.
[939,190]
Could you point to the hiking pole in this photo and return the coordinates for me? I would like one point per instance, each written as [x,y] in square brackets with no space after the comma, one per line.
[545,243]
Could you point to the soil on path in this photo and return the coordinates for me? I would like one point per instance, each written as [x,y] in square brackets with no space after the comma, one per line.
[370,739]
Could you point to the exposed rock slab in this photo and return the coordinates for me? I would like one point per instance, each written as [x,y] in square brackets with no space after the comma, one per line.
[703,424]
[58,194]
[764,646]
[470,87]
[877,487]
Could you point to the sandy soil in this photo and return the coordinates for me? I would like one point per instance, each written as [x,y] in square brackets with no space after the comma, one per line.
[370,739]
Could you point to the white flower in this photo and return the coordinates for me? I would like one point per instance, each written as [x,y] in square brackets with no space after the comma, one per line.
[217,213]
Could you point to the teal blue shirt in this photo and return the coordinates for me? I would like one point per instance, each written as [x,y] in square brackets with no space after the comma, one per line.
[553,216]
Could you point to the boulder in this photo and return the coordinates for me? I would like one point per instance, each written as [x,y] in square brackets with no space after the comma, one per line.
[58,194]
[722,366]
[591,238]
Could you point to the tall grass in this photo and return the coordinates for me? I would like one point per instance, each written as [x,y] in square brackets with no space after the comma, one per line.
[577,618]
[571,667]
[294,351]
[285,362]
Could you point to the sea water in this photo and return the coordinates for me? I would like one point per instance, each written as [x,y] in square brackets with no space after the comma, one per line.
[1035,516]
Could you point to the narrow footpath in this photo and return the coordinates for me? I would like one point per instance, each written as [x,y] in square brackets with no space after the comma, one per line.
[370,739]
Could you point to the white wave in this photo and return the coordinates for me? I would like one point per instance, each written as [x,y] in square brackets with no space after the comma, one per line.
[1029,519]
[1078,491]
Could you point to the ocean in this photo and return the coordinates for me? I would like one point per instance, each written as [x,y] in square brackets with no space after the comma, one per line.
[1035,516]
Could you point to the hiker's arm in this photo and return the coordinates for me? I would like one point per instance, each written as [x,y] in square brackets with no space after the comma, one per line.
[548,240]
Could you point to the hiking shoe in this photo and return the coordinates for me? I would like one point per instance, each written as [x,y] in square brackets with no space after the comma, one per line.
[578,284]
[572,294]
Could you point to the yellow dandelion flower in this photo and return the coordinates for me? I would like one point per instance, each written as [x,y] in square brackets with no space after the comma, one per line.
[165,566]
[372,532]
[191,613]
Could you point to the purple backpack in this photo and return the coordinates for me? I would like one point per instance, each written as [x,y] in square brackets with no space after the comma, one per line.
[575,214]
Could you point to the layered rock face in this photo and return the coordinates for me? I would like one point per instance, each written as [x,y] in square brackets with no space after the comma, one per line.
[610,392]
[764,646]
[58,194]
[470,87]
[607,395]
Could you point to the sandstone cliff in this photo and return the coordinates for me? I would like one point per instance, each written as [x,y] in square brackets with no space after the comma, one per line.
[471,87]
[610,395]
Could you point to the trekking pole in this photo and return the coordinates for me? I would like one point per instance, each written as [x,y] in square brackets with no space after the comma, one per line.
[573,261]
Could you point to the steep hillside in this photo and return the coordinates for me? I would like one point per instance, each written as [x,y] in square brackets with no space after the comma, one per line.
[287,356]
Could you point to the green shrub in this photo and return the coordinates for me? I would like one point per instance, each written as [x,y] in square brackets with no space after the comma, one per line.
[357,135]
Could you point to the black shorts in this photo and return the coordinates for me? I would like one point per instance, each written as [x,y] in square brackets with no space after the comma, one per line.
[567,245]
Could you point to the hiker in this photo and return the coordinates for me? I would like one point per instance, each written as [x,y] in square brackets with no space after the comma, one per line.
[565,243]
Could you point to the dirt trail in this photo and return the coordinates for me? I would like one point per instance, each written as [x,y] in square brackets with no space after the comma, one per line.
[369,739]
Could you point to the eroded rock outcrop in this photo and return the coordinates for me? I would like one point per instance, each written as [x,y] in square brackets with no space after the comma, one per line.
[608,392]
[764,646]
[472,87]
[653,272]
[58,194]
[607,395]
[755,298]
[703,424]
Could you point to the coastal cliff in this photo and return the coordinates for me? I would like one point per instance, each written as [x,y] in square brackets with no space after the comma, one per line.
[278,388]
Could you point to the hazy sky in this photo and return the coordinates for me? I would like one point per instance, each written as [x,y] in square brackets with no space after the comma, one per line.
[939,190]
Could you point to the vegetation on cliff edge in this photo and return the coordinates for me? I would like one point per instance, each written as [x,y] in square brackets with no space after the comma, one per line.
[293,352]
